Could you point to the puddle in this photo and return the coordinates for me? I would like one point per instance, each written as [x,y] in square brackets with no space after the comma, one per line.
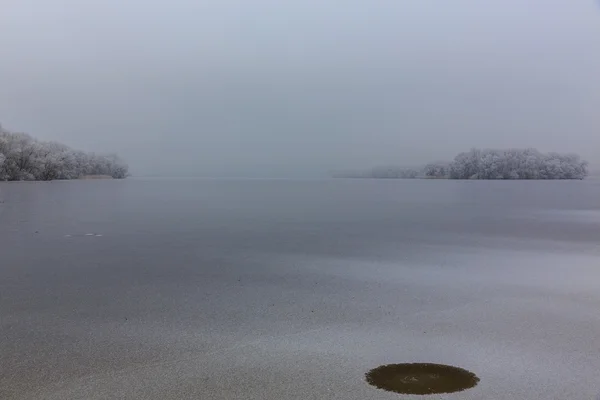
[421,378]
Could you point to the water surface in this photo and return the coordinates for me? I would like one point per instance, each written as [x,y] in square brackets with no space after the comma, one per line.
[270,289]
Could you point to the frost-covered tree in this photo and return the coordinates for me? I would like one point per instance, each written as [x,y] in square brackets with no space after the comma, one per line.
[516,164]
[392,173]
[382,173]
[437,170]
[24,158]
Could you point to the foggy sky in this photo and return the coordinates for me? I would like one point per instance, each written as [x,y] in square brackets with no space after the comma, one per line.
[301,87]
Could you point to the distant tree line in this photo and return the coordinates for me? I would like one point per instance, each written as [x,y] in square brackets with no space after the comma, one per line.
[490,164]
[383,173]
[24,158]
[509,164]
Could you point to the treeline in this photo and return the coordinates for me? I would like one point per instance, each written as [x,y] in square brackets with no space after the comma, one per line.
[510,164]
[389,172]
[490,164]
[24,158]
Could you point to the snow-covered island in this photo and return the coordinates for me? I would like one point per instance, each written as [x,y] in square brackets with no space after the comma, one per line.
[24,158]
[490,164]
[510,164]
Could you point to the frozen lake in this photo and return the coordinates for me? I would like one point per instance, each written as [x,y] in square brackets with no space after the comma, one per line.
[280,289]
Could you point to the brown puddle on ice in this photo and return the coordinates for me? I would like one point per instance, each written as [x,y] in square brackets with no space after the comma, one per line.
[421,378]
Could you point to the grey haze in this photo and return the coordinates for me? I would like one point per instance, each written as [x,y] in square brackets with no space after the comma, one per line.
[300,88]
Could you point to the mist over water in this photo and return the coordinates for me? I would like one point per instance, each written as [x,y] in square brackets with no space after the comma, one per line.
[281,285]
[299,89]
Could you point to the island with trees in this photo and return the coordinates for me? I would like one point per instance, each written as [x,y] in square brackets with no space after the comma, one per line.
[24,158]
[509,164]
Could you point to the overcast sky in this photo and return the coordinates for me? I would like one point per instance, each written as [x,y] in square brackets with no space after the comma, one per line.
[301,87]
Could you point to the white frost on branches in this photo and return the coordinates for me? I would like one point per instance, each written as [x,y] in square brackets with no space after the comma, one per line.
[23,157]
[510,164]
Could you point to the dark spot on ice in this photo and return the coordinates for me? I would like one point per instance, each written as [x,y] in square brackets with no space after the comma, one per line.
[421,378]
